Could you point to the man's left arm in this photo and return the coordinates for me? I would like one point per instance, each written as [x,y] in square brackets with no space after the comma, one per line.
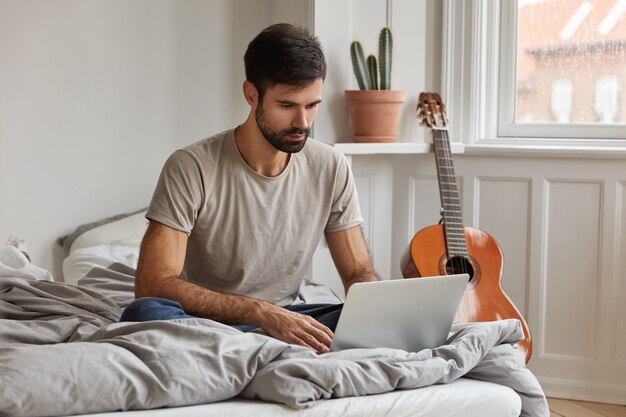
[351,256]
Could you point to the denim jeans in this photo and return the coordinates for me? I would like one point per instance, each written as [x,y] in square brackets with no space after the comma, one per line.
[155,308]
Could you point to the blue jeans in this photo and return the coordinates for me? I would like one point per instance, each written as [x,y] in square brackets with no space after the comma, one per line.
[155,308]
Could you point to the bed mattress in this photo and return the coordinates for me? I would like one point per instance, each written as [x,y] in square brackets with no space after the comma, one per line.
[462,398]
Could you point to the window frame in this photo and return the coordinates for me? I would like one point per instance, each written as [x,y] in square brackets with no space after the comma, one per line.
[479,86]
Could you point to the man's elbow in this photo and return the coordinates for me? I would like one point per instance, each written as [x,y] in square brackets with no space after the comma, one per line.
[145,286]
[141,291]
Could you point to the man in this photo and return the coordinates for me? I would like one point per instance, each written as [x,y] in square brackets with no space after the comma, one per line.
[235,218]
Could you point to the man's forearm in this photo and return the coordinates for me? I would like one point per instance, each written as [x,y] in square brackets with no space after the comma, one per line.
[362,276]
[276,321]
[202,302]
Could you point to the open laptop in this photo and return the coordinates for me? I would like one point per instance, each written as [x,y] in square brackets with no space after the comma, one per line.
[410,314]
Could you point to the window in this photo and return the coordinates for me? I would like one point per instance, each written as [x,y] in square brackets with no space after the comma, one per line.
[535,70]
[607,98]
[561,100]
[568,46]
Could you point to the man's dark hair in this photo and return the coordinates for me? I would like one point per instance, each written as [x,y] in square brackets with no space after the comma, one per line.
[284,54]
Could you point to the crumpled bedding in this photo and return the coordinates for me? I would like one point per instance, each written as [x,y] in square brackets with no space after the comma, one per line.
[62,352]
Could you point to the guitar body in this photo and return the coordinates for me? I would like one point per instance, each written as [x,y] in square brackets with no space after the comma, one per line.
[484,299]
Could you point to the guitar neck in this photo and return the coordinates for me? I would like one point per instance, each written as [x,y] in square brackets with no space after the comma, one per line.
[448,190]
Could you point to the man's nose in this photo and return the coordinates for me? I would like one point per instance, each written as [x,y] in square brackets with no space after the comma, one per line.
[300,120]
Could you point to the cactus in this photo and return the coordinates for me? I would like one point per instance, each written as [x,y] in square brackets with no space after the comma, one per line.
[358,65]
[372,70]
[385,48]
[367,73]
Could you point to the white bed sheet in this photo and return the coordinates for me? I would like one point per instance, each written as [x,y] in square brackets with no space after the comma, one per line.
[461,398]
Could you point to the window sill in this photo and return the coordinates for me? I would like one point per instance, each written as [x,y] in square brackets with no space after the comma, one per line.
[392,148]
[615,149]
[608,149]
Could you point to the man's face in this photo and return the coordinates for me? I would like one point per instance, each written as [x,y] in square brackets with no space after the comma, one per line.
[286,113]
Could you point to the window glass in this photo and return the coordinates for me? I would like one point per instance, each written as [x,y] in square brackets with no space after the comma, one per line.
[607,89]
[571,61]
[561,100]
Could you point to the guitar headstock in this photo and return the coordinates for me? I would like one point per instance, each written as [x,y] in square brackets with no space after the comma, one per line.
[431,111]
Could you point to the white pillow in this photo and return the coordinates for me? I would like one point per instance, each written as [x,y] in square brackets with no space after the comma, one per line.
[81,261]
[115,241]
[128,232]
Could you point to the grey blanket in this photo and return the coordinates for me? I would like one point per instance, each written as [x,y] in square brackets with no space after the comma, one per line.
[62,352]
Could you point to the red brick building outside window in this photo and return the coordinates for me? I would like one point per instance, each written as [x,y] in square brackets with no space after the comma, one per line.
[571,61]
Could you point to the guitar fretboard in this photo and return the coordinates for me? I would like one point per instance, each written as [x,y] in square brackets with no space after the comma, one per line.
[448,190]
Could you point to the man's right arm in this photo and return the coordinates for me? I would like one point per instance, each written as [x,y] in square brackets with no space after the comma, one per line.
[161,261]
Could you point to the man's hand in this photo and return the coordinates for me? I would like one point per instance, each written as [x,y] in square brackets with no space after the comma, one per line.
[296,328]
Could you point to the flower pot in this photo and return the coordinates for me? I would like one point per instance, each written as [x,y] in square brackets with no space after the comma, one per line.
[375,114]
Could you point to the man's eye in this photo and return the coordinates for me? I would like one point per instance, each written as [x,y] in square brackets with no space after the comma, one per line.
[285,105]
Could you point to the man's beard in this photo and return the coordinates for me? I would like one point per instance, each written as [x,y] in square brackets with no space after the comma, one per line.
[277,139]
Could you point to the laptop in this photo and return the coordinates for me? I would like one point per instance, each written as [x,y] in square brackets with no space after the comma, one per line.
[409,314]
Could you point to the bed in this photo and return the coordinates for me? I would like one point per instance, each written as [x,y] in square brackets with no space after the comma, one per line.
[62,352]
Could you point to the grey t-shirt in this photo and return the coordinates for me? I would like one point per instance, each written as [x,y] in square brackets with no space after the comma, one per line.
[250,234]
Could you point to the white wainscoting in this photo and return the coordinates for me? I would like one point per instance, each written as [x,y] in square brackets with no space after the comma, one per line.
[561,224]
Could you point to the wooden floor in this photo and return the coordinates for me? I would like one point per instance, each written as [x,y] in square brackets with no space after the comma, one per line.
[573,408]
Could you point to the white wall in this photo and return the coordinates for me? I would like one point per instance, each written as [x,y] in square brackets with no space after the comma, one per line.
[94,95]
[415,64]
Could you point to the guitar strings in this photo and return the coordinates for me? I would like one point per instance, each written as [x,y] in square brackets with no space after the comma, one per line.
[434,113]
[457,262]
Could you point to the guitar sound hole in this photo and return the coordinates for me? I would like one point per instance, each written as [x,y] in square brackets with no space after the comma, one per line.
[459,265]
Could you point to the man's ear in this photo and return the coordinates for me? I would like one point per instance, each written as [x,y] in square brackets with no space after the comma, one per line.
[250,93]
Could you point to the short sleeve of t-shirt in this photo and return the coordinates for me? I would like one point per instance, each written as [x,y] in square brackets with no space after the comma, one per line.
[178,194]
[344,211]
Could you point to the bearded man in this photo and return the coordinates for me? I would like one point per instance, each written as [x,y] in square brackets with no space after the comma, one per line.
[235,218]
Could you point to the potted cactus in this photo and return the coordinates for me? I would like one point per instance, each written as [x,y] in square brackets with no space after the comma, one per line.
[374,108]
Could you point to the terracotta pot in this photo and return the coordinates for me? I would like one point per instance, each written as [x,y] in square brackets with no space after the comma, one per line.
[375,114]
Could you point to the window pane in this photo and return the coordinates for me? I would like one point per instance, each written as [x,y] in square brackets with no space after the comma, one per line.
[571,61]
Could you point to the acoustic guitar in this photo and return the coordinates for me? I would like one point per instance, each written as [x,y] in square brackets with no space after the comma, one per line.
[452,248]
